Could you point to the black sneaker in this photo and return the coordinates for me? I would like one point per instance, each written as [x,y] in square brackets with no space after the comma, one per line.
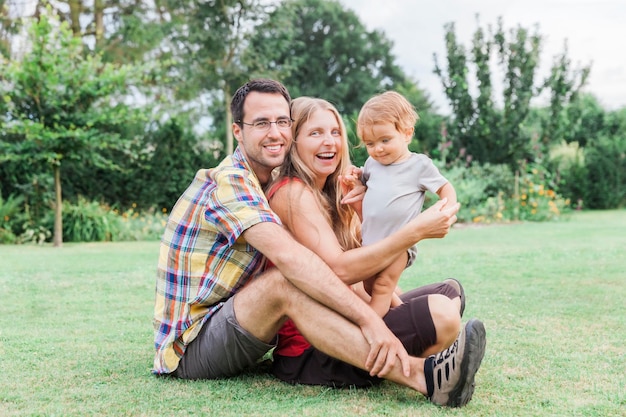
[450,374]
[454,283]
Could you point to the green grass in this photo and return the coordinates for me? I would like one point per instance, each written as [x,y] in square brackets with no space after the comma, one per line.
[76,332]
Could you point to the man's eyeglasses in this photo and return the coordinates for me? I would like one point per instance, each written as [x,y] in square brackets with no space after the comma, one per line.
[263,125]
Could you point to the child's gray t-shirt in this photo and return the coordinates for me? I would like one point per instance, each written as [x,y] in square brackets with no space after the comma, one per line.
[395,194]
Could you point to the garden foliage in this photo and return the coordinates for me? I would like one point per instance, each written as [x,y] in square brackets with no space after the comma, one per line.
[105,125]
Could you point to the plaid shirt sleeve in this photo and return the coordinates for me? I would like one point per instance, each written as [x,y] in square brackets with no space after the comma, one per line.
[204,258]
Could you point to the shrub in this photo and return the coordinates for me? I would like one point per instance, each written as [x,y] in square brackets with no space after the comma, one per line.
[536,198]
[35,234]
[491,193]
[481,190]
[88,222]
[7,237]
[85,221]
[605,162]
[11,217]
[147,225]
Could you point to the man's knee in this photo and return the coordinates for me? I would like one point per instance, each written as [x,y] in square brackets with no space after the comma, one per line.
[270,283]
[268,292]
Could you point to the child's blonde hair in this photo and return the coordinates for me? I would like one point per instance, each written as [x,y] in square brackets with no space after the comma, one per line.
[388,107]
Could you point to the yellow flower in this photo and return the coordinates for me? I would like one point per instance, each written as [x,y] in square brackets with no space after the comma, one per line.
[533,211]
[523,197]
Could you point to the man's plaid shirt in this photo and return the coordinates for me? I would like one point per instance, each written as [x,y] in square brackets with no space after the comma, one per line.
[204,259]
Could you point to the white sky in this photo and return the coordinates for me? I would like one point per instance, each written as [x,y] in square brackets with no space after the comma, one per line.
[594,29]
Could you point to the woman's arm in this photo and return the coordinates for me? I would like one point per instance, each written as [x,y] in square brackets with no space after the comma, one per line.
[297,207]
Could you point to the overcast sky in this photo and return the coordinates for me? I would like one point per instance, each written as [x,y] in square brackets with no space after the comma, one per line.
[595,31]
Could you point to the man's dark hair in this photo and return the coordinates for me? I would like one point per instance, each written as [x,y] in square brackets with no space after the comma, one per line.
[262,85]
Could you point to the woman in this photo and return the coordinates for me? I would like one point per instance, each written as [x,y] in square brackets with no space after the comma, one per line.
[306,194]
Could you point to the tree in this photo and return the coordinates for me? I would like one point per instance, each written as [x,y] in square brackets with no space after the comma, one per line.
[62,105]
[486,132]
[318,48]
[566,112]
[206,41]
[8,28]
[493,130]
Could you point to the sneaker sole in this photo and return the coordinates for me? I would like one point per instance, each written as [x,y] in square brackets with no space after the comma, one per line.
[475,342]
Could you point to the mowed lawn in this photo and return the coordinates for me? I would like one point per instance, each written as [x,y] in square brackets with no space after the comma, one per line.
[76,330]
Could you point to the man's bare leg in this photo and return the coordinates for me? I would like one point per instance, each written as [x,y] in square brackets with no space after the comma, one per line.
[263,306]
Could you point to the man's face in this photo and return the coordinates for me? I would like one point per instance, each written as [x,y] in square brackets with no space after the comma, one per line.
[264,149]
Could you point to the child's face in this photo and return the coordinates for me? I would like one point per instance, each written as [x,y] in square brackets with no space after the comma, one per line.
[386,144]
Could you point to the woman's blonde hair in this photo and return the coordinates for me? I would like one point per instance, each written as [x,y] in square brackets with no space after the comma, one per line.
[341,217]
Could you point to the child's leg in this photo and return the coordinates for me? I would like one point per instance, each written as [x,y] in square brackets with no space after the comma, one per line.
[383,286]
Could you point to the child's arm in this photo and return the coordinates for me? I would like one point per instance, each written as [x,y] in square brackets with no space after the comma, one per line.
[447,191]
[359,290]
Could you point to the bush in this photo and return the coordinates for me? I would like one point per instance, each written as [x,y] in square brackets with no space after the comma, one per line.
[536,198]
[605,163]
[487,194]
[88,222]
[35,234]
[10,218]
[481,190]
[85,221]
[167,158]
[7,237]
[148,225]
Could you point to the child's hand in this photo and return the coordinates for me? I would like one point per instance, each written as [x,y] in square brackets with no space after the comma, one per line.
[348,181]
[354,171]
[352,188]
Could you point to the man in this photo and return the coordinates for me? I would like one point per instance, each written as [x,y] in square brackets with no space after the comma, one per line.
[216,313]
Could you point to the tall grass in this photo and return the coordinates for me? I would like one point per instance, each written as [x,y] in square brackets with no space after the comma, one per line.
[76,333]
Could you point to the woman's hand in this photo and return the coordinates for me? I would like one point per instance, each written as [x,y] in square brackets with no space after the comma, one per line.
[352,189]
[435,222]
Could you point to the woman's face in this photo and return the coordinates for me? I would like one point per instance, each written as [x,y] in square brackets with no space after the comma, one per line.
[319,144]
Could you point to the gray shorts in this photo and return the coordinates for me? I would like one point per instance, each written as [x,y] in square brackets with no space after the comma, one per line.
[222,349]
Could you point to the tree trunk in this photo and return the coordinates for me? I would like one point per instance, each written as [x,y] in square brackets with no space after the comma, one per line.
[98,10]
[75,8]
[229,121]
[57,238]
